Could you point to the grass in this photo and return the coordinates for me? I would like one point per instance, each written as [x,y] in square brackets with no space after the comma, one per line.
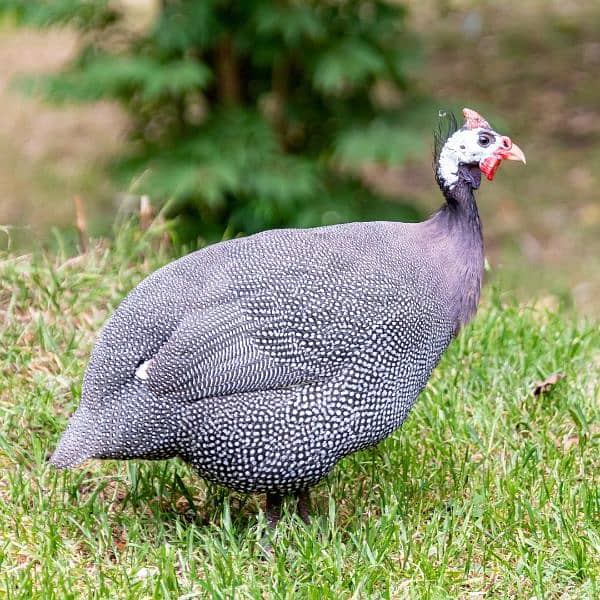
[486,491]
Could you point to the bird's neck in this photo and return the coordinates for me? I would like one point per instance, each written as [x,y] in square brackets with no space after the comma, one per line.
[459,221]
[460,210]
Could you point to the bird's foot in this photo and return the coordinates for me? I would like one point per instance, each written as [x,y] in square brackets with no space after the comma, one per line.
[273,512]
[303,506]
[273,508]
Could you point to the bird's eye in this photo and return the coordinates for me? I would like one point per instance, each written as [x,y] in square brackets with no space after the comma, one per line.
[484,139]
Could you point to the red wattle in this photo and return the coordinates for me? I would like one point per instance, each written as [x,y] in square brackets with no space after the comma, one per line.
[489,165]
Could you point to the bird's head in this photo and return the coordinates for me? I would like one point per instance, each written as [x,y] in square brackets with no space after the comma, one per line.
[475,144]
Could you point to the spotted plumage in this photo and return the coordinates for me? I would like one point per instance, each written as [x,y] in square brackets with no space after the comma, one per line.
[262,361]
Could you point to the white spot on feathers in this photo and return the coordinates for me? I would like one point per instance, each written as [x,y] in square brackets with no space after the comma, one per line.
[142,371]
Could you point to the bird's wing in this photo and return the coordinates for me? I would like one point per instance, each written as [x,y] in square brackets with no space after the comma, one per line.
[215,352]
[265,338]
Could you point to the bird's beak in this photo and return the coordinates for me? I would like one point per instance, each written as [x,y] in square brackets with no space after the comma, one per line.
[506,151]
[513,152]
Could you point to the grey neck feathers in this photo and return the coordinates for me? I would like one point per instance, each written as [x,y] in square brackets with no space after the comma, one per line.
[458,220]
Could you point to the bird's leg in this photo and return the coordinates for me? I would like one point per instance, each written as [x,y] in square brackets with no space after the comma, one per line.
[273,507]
[275,502]
[303,505]
[273,510]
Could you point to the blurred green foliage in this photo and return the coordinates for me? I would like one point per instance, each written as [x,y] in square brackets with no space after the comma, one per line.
[251,114]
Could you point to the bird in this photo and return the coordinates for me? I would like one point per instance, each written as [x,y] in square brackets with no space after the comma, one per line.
[263,360]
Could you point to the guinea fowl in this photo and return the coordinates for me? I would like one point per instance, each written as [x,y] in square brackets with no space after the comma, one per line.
[262,361]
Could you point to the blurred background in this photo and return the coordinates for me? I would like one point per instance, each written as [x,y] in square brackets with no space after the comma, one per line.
[239,116]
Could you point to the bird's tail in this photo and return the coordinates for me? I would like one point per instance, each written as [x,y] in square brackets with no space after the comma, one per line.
[73,447]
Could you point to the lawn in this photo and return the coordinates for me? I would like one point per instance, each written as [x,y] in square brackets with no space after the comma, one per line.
[486,491]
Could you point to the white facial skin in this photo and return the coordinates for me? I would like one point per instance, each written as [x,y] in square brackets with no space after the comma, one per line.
[467,146]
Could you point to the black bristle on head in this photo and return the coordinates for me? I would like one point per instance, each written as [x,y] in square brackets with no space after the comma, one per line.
[447,127]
